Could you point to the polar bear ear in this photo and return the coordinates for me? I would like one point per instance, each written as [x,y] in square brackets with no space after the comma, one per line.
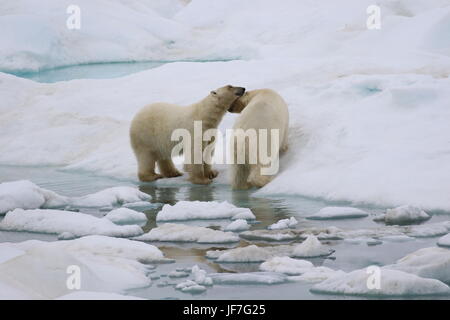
[213,93]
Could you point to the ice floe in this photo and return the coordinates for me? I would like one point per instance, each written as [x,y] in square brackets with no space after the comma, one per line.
[24,194]
[201,277]
[174,232]
[237,225]
[311,247]
[246,278]
[283,224]
[404,215]
[329,213]
[125,216]
[444,241]
[106,264]
[433,262]
[73,224]
[190,286]
[286,265]
[392,283]
[203,210]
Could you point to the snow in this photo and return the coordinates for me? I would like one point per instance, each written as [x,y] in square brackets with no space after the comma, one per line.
[199,210]
[237,225]
[56,222]
[283,224]
[311,248]
[427,262]
[106,264]
[89,295]
[404,215]
[338,213]
[248,278]
[125,216]
[251,253]
[392,283]
[173,232]
[286,265]
[367,122]
[444,241]
[26,195]
[111,197]
[190,286]
[201,277]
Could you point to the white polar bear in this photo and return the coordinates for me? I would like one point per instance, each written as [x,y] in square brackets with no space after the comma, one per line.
[260,109]
[152,128]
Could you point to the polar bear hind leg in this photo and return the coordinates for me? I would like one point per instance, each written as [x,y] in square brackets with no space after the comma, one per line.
[168,169]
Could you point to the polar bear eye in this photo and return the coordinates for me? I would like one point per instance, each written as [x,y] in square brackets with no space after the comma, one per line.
[213,92]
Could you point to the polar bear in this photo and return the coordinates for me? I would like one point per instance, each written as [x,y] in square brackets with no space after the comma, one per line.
[260,109]
[152,127]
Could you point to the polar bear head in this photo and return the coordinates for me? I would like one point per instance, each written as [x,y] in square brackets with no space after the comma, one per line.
[239,104]
[226,95]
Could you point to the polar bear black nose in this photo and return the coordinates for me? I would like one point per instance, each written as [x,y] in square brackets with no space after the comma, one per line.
[240,91]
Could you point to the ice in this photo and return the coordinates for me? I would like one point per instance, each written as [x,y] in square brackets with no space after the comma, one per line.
[190,286]
[26,195]
[237,225]
[8,253]
[57,221]
[283,224]
[90,295]
[358,113]
[338,213]
[201,277]
[111,197]
[188,210]
[173,232]
[178,274]
[427,262]
[299,270]
[106,264]
[125,216]
[311,248]
[250,253]
[248,278]
[444,241]
[286,265]
[392,283]
[404,215]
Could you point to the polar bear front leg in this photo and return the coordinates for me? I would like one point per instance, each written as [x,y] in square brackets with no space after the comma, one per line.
[197,174]
[146,167]
[209,171]
[168,169]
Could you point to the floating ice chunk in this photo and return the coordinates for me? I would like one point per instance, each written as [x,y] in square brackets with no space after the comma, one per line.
[404,215]
[311,248]
[283,224]
[237,225]
[57,221]
[286,265]
[125,216]
[141,205]
[338,213]
[427,230]
[106,264]
[317,274]
[431,262]
[399,238]
[111,197]
[173,232]
[269,235]
[199,210]
[201,277]
[250,253]
[26,195]
[248,278]
[392,283]
[190,286]
[444,241]
[91,295]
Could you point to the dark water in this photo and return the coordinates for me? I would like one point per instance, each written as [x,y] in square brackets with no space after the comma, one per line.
[267,210]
